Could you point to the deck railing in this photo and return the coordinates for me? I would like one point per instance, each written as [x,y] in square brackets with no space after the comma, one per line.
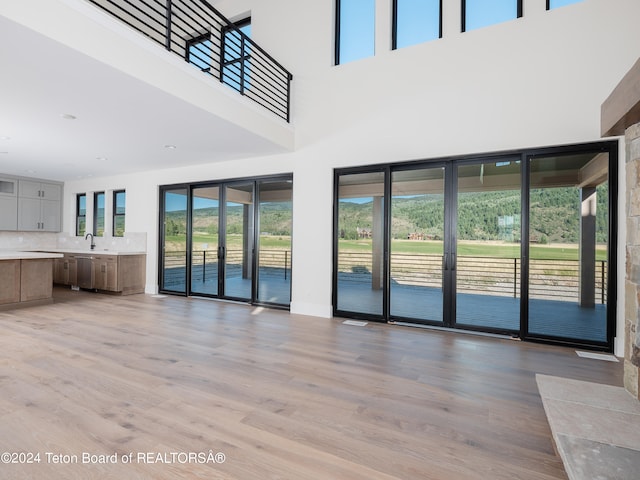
[204,264]
[549,279]
[202,36]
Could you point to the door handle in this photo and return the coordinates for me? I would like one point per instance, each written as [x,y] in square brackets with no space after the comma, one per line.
[449,261]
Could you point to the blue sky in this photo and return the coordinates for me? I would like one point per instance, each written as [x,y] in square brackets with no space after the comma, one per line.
[418,21]
[561,3]
[482,13]
[177,202]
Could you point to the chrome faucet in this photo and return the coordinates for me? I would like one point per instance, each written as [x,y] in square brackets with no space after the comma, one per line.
[93,245]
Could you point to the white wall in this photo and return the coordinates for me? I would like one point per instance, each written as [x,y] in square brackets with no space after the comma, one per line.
[535,81]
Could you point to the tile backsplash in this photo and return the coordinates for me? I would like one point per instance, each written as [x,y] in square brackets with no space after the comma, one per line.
[131,242]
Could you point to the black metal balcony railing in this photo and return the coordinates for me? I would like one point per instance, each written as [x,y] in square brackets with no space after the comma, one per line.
[548,279]
[197,32]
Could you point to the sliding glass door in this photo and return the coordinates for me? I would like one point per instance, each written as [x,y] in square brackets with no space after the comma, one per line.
[487,259]
[516,244]
[360,243]
[274,241]
[204,239]
[211,247]
[568,246]
[237,246]
[174,207]
[417,244]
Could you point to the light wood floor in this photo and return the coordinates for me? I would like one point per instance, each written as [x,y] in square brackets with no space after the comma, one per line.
[282,396]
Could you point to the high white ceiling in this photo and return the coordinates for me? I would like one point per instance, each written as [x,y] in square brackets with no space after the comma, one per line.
[122,124]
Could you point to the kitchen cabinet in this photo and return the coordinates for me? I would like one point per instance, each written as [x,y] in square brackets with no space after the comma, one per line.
[26,278]
[40,190]
[8,204]
[39,206]
[31,205]
[105,273]
[66,270]
[117,273]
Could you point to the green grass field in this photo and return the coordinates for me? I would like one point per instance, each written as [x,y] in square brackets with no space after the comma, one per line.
[474,249]
[177,242]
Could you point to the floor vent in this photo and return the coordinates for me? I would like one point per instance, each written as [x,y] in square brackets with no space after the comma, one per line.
[355,323]
[597,356]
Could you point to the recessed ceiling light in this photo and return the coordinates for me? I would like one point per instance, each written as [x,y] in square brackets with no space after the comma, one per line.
[67,116]
[170,147]
[102,159]
[5,138]
[30,171]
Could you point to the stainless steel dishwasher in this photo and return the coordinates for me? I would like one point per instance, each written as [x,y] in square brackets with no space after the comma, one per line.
[85,277]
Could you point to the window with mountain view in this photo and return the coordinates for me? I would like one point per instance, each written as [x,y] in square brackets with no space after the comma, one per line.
[119,210]
[98,214]
[81,214]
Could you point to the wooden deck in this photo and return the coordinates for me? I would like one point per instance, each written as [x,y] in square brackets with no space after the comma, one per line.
[546,317]
[282,396]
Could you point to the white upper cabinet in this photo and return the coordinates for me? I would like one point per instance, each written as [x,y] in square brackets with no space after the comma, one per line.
[39,190]
[8,203]
[30,205]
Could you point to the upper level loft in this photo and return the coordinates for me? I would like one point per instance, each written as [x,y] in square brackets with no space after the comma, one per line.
[158,84]
[198,33]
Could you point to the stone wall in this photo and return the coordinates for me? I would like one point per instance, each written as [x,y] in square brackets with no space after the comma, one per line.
[632,280]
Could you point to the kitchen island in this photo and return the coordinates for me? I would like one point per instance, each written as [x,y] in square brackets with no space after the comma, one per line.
[26,278]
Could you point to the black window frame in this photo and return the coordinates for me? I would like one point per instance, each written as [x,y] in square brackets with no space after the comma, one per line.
[241,57]
[114,210]
[336,43]
[95,213]
[81,217]
[394,24]
[464,13]
[193,42]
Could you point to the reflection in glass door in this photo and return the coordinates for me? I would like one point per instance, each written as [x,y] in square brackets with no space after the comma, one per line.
[174,251]
[204,240]
[487,251]
[274,241]
[237,244]
[568,235]
[417,244]
[360,229]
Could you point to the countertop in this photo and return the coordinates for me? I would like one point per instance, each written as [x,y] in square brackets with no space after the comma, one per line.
[17,255]
[97,251]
